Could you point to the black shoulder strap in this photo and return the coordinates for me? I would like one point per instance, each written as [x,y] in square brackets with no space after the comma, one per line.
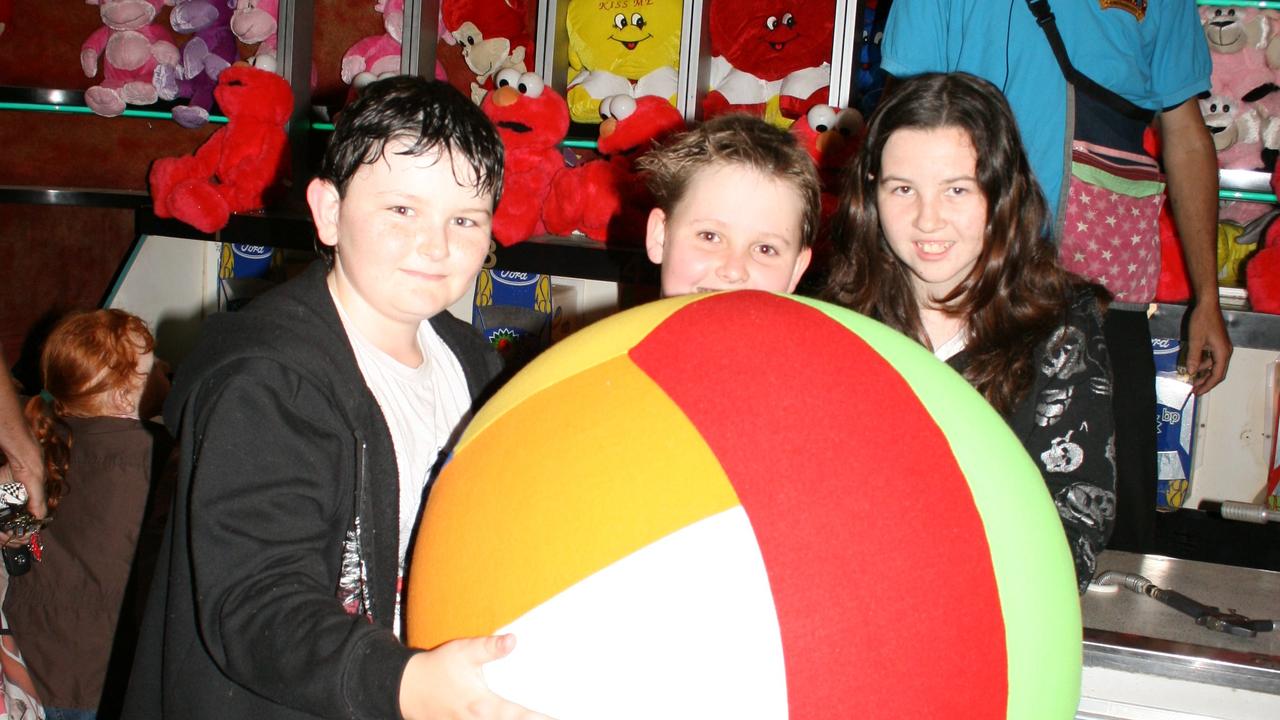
[1047,23]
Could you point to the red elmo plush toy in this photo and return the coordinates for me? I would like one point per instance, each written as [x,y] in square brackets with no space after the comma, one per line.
[606,199]
[770,57]
[235,167]
[531,119]
[1262,271]
[830,137]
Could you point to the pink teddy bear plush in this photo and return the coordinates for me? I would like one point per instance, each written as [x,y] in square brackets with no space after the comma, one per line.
[254,22]
[377,55]
[131,46]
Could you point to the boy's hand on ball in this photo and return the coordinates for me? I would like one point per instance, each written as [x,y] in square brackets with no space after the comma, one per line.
[448,683]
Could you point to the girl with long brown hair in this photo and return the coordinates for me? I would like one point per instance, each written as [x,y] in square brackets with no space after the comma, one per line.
[945,242]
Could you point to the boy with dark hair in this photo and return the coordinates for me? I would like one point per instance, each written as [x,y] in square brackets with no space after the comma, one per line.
[738,206]
[309,424]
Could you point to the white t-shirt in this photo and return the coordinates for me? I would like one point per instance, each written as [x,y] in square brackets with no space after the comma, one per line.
[951,347]
[422,406]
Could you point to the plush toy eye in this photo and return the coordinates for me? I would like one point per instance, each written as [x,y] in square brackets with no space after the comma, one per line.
[638,20]
[848,122]
[771,22]
[471,39]
[620,21]
[530,84]
[507,77]
[821,118]
[789,20]
[621,107]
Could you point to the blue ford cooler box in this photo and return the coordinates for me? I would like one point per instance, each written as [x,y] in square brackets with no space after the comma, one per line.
[1175,426]
[250,261]
[514,311]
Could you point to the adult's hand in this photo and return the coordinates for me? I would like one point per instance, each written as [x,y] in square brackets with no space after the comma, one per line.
[1208,348]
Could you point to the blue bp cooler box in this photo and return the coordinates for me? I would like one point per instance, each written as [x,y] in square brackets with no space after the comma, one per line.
[1175,426]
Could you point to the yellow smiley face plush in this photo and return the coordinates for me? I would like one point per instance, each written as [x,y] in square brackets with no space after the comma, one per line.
[621,47]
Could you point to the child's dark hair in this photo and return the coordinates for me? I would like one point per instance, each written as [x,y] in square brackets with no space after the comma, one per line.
[1017,292]
[734,139]
[87,355]
[430,115]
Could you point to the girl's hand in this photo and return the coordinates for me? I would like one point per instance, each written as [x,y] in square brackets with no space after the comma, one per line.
[447,683]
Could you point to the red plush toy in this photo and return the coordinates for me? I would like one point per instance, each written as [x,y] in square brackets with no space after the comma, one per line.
[770,57]
[830,137]
[1262,271]
[1173,285]
[606,199]
[532,119]
[234,168]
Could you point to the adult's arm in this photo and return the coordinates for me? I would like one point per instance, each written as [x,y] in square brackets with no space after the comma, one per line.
[1192,170]
[26,460]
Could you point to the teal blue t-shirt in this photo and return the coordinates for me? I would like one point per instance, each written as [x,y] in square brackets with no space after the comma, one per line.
[1157,62]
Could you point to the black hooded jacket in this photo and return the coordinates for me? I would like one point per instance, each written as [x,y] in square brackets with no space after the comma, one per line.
[279,437]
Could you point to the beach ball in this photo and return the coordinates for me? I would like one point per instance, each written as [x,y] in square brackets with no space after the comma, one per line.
[748,505]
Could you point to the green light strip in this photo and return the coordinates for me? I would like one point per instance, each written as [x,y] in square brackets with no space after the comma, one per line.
[82,110]
[1263,4]
[1242,195]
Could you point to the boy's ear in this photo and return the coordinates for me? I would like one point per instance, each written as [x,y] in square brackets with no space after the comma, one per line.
[322,197]
[802,264]
[655,235]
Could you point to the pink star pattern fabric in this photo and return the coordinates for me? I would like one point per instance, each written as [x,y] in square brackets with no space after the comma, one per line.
[1110,235]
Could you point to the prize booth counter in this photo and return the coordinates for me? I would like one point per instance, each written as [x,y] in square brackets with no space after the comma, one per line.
[1143,660]
[1146,660]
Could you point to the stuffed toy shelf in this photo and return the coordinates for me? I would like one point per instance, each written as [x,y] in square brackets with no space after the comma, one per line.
[558,52]
[545,254]
[1250,185]
[1248,329]
[72,101]
[76,197]
[1260,4]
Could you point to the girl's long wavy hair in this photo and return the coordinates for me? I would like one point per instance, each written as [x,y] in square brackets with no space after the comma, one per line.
[1017,292]
[87,356]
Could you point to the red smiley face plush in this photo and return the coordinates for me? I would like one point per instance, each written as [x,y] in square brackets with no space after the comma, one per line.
[772,38]
[605,199]
[770,57]
[531,119]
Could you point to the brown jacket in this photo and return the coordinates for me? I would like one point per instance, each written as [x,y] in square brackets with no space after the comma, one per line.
[65,611]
